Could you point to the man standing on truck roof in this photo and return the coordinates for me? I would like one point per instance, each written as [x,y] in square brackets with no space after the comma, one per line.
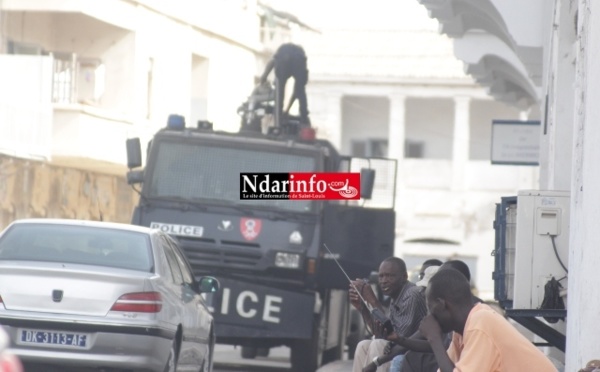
[407,308]
[289,61]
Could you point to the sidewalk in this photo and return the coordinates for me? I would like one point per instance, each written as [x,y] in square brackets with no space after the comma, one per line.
[337,366]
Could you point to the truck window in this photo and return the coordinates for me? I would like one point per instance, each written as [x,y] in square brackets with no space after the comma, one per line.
[195,171]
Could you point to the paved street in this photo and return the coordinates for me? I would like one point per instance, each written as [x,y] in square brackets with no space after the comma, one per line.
[228,359]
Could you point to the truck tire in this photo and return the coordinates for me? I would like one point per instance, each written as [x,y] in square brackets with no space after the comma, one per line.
[337,352]
[307,355]
[249,352]
[357,332]
[263,352]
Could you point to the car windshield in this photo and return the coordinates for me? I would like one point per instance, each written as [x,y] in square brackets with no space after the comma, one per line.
[78,245]
[199,172]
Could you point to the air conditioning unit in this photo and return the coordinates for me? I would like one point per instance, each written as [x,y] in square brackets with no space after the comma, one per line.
[532,240]
[542,245]
[505,225]
[532,248]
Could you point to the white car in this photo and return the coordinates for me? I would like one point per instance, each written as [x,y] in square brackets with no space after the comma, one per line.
[103,295]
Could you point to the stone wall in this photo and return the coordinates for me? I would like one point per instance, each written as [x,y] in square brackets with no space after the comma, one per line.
[36,189]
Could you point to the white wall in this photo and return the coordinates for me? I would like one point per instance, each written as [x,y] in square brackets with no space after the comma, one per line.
[25,106]
[364,118]
[431,121]
[583,327]
[126,40]
[482,113]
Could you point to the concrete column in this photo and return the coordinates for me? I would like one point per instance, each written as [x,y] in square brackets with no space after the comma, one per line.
[583,308]
[334,118]
[557,135]
[460,145]
[397,126]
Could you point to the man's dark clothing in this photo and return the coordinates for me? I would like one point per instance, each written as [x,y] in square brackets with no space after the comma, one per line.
[407,310]
[290,61]
[415,361]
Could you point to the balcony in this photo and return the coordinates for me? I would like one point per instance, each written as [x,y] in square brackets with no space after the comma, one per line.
[49,113]
[66,99]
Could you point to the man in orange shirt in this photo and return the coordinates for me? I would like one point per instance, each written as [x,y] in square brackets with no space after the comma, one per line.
[483,340]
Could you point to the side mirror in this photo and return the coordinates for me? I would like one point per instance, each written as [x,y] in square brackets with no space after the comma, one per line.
[134,177]
[134,153]
[208,284]
[367,181]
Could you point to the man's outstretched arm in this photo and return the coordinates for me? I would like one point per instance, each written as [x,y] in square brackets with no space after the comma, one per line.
[430,328]
[267,71]
[416,342]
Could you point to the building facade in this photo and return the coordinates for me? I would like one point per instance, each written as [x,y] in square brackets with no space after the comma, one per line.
[545,54]
[400,92]
[79,77]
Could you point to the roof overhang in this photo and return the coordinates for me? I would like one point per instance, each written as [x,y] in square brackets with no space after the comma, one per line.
[494,65]
[500,41]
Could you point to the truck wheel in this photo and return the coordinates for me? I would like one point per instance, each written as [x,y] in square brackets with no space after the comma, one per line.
[353,341]
[307,355]
[357,332]
[263,352]
[249,352]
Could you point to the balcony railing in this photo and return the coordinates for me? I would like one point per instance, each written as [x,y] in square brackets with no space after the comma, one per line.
[64,78]
[74,79]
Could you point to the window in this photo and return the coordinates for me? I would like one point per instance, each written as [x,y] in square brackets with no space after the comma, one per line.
[414,149]
[172,260]
[372,147]
[17,47]
[194,171]
[188,277]
[149,85]
[85,245]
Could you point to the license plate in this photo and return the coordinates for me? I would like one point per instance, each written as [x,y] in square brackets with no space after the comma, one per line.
[64,339]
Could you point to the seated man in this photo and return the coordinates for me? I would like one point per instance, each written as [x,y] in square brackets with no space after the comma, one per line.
[420,357]
[428,263]
[412,353]
[483,340]
[407,308]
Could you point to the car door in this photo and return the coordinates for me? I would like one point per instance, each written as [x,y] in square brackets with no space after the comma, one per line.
[190,353]
[201,318]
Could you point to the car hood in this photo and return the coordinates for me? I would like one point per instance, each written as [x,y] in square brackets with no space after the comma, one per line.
[66,288]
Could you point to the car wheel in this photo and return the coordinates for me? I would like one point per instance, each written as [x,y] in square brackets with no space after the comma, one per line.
[171,365]
[207,363]
[249,352]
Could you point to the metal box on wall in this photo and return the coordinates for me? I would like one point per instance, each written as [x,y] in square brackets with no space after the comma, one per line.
[541,246]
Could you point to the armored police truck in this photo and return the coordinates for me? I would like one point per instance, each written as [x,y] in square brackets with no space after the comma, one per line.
[275,257]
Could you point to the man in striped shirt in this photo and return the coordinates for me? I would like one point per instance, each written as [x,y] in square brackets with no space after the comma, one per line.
[407,308]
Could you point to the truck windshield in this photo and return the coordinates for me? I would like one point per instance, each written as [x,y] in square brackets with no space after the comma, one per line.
[209,173]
